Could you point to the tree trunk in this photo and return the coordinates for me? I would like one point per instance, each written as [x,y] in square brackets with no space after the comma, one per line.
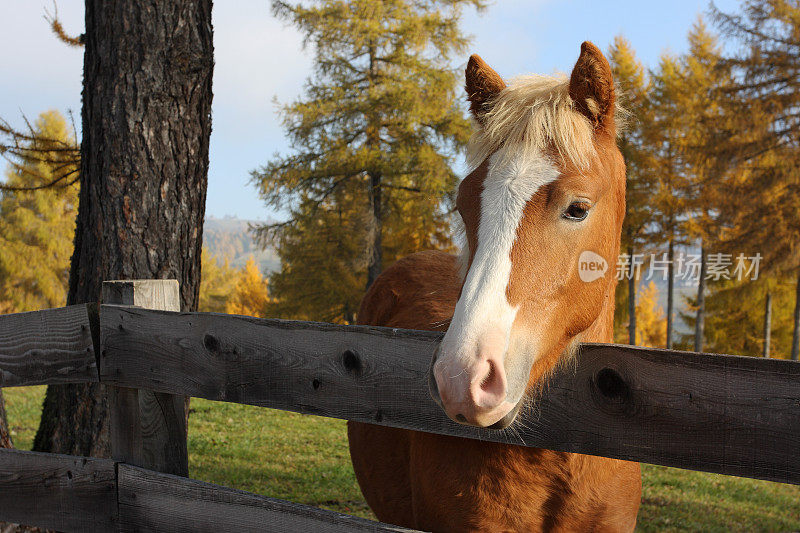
[631,299]
[5,435]
[767,323]
[144,162]
[796,335]
[701,302]
[375,245]
[670,290]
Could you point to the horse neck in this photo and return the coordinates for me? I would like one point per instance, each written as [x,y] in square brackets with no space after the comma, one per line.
[602,329]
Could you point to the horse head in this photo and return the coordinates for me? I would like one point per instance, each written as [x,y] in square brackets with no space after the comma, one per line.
[542,211]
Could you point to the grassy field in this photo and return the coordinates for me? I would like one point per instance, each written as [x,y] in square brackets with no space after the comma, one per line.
[305,459]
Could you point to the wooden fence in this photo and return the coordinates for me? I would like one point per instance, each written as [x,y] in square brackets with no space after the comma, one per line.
[715,413]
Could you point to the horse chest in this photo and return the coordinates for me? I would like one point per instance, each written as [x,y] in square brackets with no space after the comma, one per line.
[461,485]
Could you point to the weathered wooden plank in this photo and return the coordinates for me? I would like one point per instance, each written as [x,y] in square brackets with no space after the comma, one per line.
[726,414]
[161,294]
[59,492]
[52,346]
[151,501]
[148,428]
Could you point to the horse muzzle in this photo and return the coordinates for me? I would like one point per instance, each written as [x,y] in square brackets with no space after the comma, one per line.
[474,394]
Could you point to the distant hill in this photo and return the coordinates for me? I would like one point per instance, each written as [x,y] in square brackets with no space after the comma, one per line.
[230,237]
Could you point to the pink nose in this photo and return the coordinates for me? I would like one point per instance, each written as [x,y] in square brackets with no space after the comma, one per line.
[474,394]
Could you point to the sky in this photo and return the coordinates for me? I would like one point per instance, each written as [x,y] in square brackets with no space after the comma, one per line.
[260,61]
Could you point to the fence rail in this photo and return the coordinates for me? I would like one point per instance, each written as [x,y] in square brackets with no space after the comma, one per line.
[716,413]
[58,492]
[67,493]
[48,347]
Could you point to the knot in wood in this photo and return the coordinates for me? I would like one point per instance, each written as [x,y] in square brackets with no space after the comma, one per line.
[351,362]
[211,343]
[611,384]
[612,392]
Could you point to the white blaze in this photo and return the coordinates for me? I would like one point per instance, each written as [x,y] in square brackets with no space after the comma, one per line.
[483,307]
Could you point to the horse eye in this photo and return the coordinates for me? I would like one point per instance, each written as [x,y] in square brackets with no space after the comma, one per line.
[576,211]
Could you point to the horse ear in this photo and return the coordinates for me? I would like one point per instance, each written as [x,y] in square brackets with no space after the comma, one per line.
[591,87]
[483,83]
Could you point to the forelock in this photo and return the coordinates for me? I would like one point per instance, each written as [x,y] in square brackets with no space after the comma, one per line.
[536,114]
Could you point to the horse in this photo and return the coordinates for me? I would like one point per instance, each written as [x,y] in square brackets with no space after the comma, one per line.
[547,184]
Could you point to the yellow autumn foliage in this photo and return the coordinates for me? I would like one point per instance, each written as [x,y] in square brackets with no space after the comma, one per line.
[37,227]
[651,324]
[250,293]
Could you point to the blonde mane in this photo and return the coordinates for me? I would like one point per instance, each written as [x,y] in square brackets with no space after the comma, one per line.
[536,113]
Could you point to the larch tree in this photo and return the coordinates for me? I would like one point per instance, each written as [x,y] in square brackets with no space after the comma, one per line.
[704,169]
[652,325]
[37,221]
[146,123]
[735,320]
[761,218]
[322,271]
[217,283]
[633,83]
[374,140]
[765,350]
[250,294]
[663,134]
[38,202]
[765,98]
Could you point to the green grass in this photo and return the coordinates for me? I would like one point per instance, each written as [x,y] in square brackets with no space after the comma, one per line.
[682,500]
[23,409]
[276,453]
[305,459]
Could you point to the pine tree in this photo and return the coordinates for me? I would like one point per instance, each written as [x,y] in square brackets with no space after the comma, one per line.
[374,140]
[633,84]
[250,294]
[37,226]
[764,138]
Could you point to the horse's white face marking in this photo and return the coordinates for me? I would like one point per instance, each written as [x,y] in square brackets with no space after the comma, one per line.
[483,311]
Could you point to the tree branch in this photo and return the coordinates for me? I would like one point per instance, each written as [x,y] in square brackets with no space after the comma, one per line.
[58,29]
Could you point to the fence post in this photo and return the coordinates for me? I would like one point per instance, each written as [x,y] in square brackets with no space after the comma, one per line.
[148,429]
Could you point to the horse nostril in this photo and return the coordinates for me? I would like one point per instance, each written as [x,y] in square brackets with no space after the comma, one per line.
[461,418]
[492,388]
[487,380]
